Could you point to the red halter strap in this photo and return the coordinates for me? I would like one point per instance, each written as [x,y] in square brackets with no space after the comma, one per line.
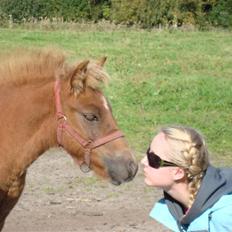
[88,145]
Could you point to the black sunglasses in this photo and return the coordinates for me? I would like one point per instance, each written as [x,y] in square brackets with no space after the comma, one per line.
[155,161]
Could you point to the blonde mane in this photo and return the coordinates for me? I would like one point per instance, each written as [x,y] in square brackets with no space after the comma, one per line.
[23,65]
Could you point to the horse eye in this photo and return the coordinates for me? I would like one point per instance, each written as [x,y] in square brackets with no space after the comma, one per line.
[90,117]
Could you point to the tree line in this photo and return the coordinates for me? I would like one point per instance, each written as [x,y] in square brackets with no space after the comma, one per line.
[145,13]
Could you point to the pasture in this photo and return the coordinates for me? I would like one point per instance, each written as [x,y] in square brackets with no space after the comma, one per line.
[157,78]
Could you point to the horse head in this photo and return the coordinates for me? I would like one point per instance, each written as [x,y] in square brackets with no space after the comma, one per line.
[87,129]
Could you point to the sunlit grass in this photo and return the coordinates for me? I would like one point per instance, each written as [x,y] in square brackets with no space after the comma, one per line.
[157,77]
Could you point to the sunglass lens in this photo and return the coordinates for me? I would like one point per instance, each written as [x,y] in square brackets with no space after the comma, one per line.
[153,160]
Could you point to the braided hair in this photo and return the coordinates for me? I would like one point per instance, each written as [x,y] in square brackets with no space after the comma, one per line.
[189,151]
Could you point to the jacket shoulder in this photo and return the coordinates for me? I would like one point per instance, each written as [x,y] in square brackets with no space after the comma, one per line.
[161,214]
[220,216]
[224,202]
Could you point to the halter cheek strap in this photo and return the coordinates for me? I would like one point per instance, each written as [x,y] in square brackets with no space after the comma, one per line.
[63,126]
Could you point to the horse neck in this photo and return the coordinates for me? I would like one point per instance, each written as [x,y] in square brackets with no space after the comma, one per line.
[30,124]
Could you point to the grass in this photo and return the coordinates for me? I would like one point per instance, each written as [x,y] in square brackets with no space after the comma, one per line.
[157,78]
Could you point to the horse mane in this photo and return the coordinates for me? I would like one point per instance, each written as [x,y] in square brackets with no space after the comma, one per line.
[23,65]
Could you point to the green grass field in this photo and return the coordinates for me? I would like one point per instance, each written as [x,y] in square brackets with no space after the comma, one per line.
[157,78]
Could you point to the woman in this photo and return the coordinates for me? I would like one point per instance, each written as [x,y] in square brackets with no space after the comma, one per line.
[197,196]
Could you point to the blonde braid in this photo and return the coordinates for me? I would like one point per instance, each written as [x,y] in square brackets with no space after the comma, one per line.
[194,173]
[190,153]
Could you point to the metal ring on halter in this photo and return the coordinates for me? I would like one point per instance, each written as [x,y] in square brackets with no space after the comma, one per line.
[84,167]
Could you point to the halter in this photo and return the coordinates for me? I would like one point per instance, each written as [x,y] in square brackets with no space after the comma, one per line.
[89,144]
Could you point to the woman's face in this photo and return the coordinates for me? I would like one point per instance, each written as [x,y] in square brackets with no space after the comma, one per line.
[163,176]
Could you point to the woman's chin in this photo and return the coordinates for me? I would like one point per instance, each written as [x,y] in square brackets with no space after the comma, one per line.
[148,182]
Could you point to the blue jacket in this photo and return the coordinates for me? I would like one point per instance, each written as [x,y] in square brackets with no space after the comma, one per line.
[211,210]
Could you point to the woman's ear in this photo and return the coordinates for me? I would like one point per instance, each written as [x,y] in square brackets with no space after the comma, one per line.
[178,173]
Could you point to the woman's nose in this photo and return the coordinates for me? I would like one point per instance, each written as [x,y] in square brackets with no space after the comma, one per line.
[144,160]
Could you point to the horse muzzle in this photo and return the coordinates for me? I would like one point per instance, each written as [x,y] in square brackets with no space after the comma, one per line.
[120,170]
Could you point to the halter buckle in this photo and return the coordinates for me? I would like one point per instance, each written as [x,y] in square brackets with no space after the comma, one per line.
[61,117]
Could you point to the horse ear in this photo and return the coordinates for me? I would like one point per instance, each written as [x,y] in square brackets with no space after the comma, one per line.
[78,77]
[102,61]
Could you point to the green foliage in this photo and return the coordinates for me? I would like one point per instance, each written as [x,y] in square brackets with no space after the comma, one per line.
[165,13]
[221,13]
[69,10]
[145,13]
[3,18]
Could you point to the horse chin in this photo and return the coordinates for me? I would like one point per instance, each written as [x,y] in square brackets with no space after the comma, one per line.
[115,182]
[118,182]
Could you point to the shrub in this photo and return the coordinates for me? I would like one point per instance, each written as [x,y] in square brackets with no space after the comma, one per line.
[221,13]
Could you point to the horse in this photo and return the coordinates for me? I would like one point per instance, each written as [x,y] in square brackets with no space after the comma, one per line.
[47,101]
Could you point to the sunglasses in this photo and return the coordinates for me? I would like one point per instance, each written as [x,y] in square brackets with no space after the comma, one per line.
[156,162]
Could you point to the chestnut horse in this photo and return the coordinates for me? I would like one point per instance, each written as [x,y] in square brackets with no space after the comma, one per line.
[46,102]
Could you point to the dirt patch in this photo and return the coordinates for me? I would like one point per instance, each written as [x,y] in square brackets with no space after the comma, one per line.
[58,197]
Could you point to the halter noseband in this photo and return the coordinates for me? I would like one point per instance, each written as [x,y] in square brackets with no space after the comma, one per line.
[88,145]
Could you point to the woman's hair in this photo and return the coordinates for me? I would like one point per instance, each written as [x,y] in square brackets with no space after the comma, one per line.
[189,151]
